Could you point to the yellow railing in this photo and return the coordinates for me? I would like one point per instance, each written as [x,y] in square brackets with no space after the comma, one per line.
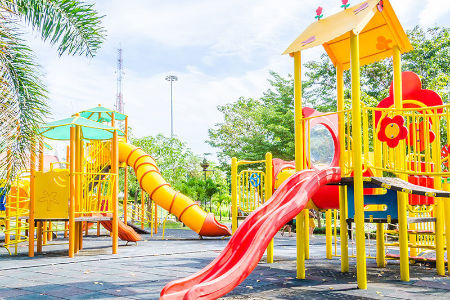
[98,156]
[427,131]
[17,207]
[422,234]
[251,187]
[251,191]
[425,151]
[96,191]
[96,180]
[140,216]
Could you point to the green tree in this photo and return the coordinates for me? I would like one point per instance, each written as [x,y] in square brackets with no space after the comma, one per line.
[174,159]
[73,27]
[212,193]
[253,127]
[223,199]
[430,58]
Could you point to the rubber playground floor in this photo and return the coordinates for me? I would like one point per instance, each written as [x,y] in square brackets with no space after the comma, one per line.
[141,271]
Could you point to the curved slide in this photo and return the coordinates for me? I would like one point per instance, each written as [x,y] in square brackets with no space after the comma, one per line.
[160,191]
[248,244]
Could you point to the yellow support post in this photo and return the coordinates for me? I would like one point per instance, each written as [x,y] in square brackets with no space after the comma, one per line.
[7,209]
[125,181]
[268,194]
[73,191]
[298,125]
[300,233]
[439,214]
[447,225]
[402,198]
[39,237]
[381,253]
[412,237]
[306,232]
[150,218]
[115,187]
[50,232]
[7,222]
[66,224]
[44,233]
[78,191]
[156,217]
[342,189]
[381,248]
[328,234]
[439,238]
[80,235]
[32,200]
[77,238]
[234,210]
[357,162]
[143,211]
[41,169]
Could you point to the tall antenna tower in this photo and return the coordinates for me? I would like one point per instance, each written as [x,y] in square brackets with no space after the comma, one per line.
[119,98]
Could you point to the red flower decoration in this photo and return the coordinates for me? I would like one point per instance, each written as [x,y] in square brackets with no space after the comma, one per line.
[319,13]
[420,135]
[319,10]
[392,131]
[345,4]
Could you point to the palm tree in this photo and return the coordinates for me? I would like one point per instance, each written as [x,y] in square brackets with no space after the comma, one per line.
[74,27]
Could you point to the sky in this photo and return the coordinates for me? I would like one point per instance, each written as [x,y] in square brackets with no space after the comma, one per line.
[219,50]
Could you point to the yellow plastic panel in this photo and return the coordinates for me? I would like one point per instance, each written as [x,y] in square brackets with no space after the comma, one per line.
[23,189]
[334,26]
[376,43]
[52,195]
[282,176]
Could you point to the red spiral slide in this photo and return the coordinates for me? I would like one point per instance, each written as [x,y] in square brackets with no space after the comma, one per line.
[248,244]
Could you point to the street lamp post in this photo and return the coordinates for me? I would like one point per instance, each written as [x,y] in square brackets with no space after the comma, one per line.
[171,78]
[204,164]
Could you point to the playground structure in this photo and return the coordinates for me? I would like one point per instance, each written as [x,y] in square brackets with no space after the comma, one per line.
[84,190]
[388,166]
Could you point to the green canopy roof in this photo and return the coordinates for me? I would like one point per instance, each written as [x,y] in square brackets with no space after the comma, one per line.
[102,114]
[90,130]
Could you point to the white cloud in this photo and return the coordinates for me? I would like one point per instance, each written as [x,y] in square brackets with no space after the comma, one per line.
[434,11]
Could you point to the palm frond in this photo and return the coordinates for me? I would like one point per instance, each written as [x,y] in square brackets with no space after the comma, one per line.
[22,100]
[74,26]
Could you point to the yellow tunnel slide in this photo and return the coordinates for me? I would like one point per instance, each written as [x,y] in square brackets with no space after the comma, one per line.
[160,191]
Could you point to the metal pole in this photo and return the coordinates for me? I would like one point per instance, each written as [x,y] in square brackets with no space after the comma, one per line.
[171,110]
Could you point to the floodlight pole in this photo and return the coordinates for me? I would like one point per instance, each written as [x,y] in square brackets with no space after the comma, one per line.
[171,78]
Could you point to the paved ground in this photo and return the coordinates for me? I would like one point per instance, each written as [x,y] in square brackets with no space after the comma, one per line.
[140,272]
